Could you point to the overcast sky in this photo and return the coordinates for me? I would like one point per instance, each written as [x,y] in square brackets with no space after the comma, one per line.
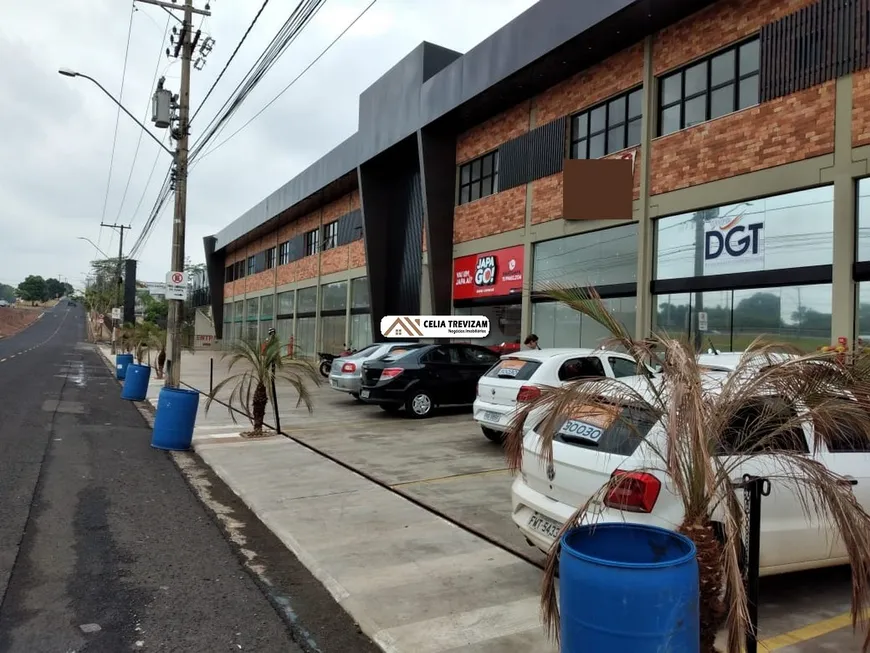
[56,133]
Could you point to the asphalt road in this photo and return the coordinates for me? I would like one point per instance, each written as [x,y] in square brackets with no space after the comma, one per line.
[103,545]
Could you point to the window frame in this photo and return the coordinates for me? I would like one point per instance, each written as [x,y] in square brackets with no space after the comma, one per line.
[491,177]
[271,255]
[575,139]
[284,253]
[252,265]
[312,241]
[330,235]
[709,89]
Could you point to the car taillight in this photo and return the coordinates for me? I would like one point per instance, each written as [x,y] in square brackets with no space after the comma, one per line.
[348,367]
[528,393]
[391,373]
[633,491]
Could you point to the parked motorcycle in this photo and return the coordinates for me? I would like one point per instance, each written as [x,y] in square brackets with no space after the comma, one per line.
[327,359]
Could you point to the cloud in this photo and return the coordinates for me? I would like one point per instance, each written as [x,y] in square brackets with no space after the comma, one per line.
[56,144]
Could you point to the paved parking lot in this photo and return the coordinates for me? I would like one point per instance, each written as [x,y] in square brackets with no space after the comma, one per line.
[446,463]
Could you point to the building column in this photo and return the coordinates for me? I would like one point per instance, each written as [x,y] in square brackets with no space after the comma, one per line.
[528,249]
[645,227]
[347,314]
[843,287]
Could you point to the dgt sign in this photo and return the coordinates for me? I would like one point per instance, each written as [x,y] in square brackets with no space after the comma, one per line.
[737,242]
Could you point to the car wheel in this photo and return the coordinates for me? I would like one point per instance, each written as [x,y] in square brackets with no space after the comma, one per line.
[419,404]
[390,408]
[492,435]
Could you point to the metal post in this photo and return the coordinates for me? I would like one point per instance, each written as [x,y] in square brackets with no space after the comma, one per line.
[176,306]
[275,404]
[754,488]
[211,376]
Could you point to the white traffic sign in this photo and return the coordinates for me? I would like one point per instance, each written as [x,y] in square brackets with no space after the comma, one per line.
[116,313]
[176,285]
[702,320]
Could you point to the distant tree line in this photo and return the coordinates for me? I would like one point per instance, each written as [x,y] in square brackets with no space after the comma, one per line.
[35,289]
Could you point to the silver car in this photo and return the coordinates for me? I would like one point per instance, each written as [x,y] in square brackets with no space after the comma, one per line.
[346,372]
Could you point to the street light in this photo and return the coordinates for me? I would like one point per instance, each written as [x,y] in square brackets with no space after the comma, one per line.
[94,244]
[66,72]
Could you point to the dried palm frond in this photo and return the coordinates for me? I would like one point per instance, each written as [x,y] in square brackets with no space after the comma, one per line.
[708,425]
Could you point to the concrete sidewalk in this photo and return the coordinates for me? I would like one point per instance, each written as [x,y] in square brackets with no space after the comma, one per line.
[414,582]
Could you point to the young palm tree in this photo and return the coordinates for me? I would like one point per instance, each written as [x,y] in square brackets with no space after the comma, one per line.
[702,449]
[251,389]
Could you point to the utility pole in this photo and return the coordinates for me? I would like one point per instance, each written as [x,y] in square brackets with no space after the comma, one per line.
[119,283]
[184,47]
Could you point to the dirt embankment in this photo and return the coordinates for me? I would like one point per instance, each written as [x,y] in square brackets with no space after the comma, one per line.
[12,320]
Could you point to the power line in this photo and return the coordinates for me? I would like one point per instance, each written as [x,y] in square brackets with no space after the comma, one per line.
[141,133]
[294,25]
[230,60]
[286,88]
[118,113]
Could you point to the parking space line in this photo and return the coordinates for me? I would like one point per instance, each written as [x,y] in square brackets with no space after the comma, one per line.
[452,477]
[808,632]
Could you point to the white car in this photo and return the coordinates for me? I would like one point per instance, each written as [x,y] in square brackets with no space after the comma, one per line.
[544,497]
[518,376]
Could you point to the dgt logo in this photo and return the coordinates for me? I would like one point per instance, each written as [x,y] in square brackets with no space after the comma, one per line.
[735,242]
[484,274]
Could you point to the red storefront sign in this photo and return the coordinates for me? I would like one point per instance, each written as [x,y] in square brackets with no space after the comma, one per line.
[490,274]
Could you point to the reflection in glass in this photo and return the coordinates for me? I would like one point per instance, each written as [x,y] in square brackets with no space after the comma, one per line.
[285,303]
[267,305]
[306,300]
[304,343]
[239,311]
[284,331]
[333,333]
[253,308]
[556,325]
[333,296]
[596,258]
[359,292]
[798,315]
[863,210]
[228,312]
[797,231]
[360,330]
[505,323]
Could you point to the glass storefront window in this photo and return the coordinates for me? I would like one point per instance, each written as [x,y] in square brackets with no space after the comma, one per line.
[332,327]
[360,330]
[359,292]
[252,331]
[239,311]
[285,302]
[557,325]
[333,297]
[305,330]
[863,210]
[306,301]
[797,315]
[228,312]
[284,331]
[252,307]
[779,232]
[267,307]
[597,258]
[265,325]
[505,323]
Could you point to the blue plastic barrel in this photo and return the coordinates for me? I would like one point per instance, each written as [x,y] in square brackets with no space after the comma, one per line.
[136,382]
[628,587]
[121,363]
[176,416]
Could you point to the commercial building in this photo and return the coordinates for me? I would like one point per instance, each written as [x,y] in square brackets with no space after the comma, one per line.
[747,123]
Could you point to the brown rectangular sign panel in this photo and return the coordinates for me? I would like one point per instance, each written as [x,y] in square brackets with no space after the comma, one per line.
[598,189]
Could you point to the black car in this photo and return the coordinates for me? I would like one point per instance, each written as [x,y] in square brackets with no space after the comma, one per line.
[419,381]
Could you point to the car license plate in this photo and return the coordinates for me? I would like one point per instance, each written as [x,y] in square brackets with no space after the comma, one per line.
[576,428]
[543,525]
[491,416]
[364,394]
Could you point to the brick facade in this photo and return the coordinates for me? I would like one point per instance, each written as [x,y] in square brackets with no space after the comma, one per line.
[495,131]
[589,87]
[796,127]
[715,27]
[493,214]
[861,108]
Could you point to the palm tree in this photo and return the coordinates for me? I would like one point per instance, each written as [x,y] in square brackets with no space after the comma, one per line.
[251,389]
[701,449]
